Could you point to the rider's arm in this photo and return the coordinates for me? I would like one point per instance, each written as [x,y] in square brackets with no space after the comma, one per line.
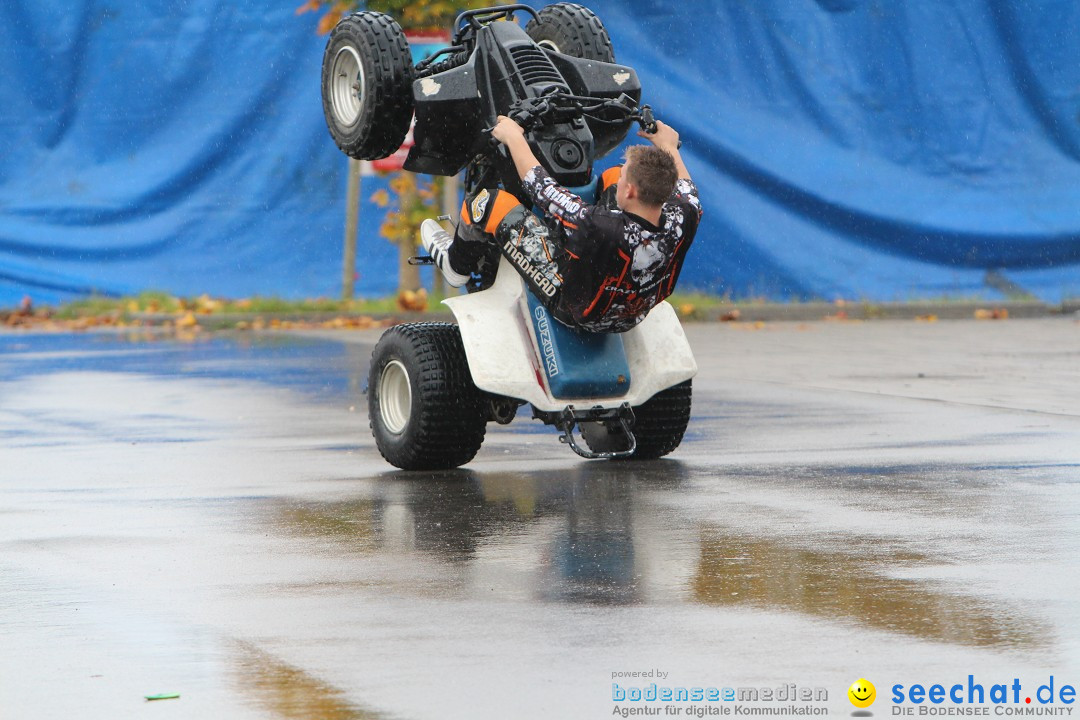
[667,139]
[550,197]
[512,135]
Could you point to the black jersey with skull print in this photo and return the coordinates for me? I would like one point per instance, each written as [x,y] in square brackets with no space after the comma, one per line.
[615,266]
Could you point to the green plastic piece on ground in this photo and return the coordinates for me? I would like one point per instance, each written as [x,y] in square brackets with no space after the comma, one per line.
[163,696]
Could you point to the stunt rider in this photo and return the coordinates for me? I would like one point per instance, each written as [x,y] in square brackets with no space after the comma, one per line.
[598,268]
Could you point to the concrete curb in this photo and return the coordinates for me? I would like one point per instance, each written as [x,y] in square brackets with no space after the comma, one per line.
[735,314]
[810,312]
[766,312]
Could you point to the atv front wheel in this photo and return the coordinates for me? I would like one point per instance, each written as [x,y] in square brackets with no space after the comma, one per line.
[659,425]
[425,411]
[571,29]
[367,74]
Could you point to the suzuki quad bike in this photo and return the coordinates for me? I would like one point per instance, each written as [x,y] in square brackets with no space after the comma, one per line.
[433,387]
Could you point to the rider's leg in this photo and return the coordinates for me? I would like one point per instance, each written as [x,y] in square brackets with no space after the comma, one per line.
[481,214]
[437,242]
[495,219]
[462,254]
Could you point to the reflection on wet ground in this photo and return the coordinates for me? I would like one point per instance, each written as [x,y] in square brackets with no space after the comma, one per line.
[584,516]
[289,693]
[591,522]
[736,570]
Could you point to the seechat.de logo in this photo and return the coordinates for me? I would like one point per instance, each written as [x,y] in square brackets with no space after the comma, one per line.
[862,693]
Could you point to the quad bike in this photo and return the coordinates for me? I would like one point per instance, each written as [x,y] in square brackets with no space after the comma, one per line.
[433,387]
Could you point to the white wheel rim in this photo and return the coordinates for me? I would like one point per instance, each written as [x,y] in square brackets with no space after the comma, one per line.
[549,45]
[347,86]
[395,397]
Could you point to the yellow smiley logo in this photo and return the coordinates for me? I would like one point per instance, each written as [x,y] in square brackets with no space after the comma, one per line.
[862,693]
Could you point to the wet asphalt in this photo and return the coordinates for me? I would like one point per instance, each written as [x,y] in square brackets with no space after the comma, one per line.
[895,501]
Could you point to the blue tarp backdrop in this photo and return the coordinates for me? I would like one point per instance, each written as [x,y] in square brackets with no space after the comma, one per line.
[857,149]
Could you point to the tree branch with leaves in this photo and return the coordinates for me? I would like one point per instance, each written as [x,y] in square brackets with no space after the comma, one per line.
[410,14]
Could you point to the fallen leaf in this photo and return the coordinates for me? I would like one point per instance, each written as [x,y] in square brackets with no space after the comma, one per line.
[413,300]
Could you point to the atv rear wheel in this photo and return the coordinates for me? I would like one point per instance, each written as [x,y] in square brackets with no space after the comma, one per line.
[659,425]
[367,76]
[425,412]
[571,29]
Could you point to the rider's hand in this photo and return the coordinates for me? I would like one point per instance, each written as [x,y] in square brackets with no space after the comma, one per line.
[506,130]
[664,138]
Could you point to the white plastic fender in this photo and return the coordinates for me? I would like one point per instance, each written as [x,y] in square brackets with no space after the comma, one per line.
[503,356]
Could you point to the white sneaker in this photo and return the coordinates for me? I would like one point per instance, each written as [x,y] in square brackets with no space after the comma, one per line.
[437,242]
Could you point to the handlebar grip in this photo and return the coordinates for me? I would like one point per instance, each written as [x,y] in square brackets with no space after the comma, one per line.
[648,122]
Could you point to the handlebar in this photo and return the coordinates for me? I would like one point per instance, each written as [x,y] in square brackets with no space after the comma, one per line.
[556,104]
